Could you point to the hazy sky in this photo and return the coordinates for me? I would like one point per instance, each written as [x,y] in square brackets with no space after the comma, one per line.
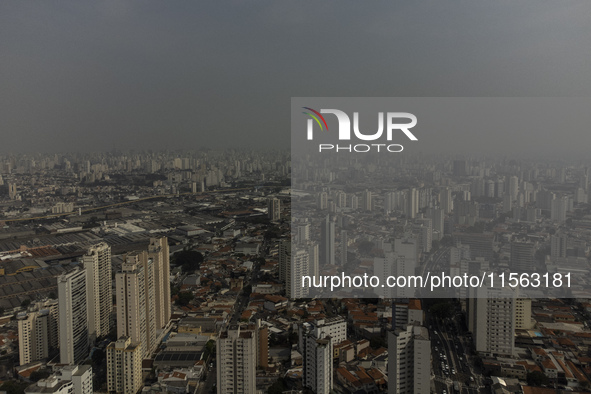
[93,75]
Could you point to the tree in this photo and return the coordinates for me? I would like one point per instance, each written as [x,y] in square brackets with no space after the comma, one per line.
[189,260]
[174,290]
[273,232]
[209,349]
[184,298]
[25,304]
[278,387]
[38,375]
[14,387]
[377,341]
[293,337]
[537,378]
[98,356]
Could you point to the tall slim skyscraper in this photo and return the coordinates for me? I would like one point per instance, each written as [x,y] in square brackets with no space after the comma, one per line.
[327,241]
[136,300]
[322,201]
[437,217]
[512,187]
[274,209]
[367,200]
[73,317]
[97,262]
[344,247]
[158,252]
[314,258]
[446,201]
[412,203]
[236,361]
[284,256]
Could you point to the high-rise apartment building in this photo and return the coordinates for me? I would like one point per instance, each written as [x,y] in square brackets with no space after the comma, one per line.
[37,331]
[445,200]
[412,203]
[558,245]
[491,318]
[437,218]
[97,262]
[367,200]
[318,372]
[136,300]
[344,247]
[409,360]
[124,366]
[407,312]
[522,255]
[512,187]
[401,262]
[303,232]
[158,252]
[274,209]
[523,319]
[425,231]
[299,266]
[316,342]
[73,317]
[284,257]
[327,241]
[322,201]
[236,361]
[558,209]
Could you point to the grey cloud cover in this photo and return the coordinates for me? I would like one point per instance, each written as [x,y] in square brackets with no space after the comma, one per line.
[88,76]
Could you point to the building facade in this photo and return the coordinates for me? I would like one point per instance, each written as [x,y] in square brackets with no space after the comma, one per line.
[97,262]
[135,294]
[73,317]
[236,361]
[409,360]
[124,366]
[158,252]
